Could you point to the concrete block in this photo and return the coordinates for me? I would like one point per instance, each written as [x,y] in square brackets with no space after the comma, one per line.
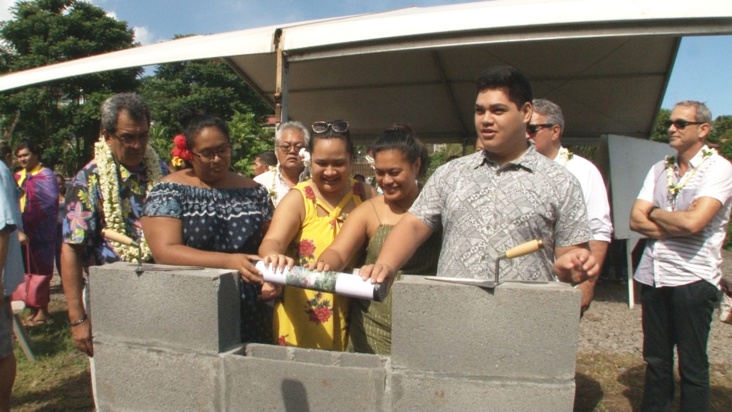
[271,385]
[439,393]
[259,350]
[361,360]
[197,310]
[514,331]
[143,379]
[317,356]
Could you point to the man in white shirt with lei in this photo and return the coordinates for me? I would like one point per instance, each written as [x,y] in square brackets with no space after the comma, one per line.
[290,139]
[545,130]
[683,208]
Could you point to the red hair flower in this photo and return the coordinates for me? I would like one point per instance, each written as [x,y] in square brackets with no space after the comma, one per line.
[180,151]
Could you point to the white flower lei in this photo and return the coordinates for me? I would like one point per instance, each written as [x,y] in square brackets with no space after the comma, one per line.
[564,156]
[275,174]
[305,157]
[112,204]
[674,189]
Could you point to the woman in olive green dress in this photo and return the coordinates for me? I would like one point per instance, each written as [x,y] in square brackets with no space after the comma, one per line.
[399,160]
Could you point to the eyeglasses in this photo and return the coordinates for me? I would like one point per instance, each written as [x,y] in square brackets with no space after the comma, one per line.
[287,147]
[130,138]
[209,155]
[532,129]
[339,126]
[679,123]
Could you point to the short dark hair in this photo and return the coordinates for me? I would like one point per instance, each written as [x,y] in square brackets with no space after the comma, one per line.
[31,146]
[517,86]
[269,158]
[401,137]
[331,134]
[135,106]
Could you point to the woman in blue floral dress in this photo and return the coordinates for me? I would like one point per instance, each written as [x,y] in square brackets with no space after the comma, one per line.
[210,216]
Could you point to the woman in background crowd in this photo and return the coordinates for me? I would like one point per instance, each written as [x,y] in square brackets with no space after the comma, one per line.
[399,160]
[306,221]
[39,206]
[210,216]
[61,182]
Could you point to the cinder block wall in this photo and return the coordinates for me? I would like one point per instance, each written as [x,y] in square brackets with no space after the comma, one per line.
[168,340]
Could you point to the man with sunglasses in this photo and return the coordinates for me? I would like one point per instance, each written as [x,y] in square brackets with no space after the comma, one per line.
[107,194]
[683,210]
[492,200]
[290,138]
[545,131]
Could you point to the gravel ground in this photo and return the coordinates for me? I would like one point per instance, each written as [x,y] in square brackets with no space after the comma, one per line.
[609,326]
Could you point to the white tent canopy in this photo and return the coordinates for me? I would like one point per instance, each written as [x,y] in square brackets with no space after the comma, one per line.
[607,65]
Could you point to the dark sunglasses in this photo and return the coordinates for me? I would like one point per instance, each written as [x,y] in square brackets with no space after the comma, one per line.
[679,123]
[339,126]
[532,129]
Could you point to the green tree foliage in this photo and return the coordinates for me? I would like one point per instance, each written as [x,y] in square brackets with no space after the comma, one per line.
[722,130]
[660,132]
[248,139]
[209,86]
[62,116]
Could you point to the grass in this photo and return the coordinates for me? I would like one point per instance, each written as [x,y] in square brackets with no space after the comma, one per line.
[59,379]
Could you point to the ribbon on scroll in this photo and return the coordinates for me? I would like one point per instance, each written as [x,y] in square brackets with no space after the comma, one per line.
[344,284]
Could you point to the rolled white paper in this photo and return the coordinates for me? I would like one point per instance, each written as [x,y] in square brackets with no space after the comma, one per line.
[344,284]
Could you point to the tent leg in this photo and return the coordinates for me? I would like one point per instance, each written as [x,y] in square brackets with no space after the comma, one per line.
[629,245]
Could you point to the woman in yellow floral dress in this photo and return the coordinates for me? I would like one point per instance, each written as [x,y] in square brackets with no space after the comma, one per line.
[304,224]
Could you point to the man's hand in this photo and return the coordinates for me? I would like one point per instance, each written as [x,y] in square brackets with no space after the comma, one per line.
[576,266]
[588,293]
[82,336]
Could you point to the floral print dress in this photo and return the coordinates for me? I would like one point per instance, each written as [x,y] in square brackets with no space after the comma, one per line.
[306,318]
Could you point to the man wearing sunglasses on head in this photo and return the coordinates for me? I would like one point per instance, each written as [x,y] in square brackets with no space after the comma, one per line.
[290,138]
[683,209]
[545,130]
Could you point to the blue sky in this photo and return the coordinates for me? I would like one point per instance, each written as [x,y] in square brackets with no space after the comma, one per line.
[703,69]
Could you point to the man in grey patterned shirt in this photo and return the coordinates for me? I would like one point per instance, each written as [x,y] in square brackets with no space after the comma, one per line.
[493,200]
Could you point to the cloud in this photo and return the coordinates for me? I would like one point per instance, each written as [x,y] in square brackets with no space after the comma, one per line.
[143,35]
[5,13]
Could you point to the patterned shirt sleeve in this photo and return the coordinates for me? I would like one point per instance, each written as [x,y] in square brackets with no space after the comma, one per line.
[82,208]
[428,205]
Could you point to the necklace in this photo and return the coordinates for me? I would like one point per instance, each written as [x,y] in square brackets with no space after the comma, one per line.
[109,178]
[674,189]
[564,156]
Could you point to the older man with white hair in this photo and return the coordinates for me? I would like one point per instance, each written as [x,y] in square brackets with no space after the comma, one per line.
[545,130]
[290,138]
